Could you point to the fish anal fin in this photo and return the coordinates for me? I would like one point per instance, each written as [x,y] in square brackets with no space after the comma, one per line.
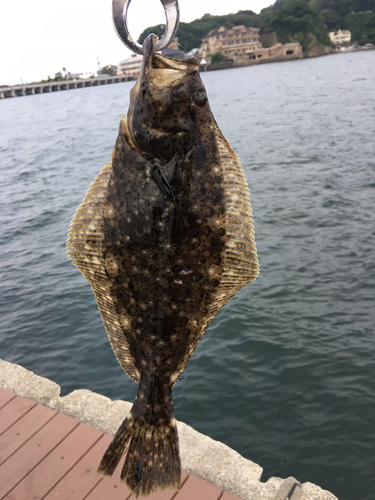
[85,249]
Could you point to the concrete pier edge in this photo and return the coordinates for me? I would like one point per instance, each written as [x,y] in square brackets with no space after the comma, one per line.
[202,456]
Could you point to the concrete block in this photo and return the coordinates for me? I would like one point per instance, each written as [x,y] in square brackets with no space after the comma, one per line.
[225,467]
[291,489]
[202,456]
[313,492]
[93,409]
[25,383]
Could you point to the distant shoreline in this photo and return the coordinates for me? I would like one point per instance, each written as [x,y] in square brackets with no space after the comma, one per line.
[25,89]
[239,64]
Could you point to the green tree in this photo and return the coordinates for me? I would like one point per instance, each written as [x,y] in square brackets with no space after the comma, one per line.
[217,58]
[61,76]
[295,20]
[362,27]
[108,70]
[331,19]
[268,19]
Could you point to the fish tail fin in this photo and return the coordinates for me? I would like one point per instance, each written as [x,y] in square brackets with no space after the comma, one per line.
[150,433]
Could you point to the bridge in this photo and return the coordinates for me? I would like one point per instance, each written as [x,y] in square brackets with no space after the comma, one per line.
[42,88]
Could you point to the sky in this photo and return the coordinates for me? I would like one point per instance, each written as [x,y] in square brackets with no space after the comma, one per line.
[40,37]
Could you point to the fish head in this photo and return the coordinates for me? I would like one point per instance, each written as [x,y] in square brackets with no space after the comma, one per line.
[163,104]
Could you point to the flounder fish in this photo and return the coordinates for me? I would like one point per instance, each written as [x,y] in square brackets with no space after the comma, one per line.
[165,238]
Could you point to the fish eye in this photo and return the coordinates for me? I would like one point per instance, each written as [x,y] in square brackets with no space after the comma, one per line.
[200,98]
[179,92]
[143,87]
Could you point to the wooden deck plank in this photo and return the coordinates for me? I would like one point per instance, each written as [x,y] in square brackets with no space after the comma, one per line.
[198,489]
[5,397]
[165,495]
[28,425]
[14,410]
[56,464]
[47,455]
[82,478]
[109,488]
[120,491]
[229,496]
[34,451]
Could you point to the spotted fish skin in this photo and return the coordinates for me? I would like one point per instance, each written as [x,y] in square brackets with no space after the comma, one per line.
[165,238]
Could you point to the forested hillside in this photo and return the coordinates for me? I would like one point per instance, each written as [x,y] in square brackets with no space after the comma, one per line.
[294,20]
[190,34]
[358,16]
[299,20]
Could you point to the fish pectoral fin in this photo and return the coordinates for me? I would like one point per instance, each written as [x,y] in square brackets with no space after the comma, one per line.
[161,180]
[150,433]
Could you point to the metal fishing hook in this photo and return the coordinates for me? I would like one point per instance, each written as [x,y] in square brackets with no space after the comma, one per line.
[119,15]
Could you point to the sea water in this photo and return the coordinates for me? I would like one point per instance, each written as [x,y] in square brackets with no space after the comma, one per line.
[285,373]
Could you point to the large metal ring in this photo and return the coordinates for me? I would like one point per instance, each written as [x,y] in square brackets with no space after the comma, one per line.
[120,12]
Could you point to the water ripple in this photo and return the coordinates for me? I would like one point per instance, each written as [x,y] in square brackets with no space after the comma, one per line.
[285,373]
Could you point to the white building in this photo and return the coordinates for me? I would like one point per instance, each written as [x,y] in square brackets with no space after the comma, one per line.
[131,65]
[340,36]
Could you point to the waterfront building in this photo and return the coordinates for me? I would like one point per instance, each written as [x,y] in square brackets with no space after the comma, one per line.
[235,40]
[340,36]
[174,50]
[276,52]
[131,65]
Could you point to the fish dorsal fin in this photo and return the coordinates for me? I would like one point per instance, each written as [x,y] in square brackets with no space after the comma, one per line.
[241,259]
[85,249]
[241,264]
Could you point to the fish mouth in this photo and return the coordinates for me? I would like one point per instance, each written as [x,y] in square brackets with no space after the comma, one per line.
[163,71]
[163,66]
[161,76]
[161,133]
